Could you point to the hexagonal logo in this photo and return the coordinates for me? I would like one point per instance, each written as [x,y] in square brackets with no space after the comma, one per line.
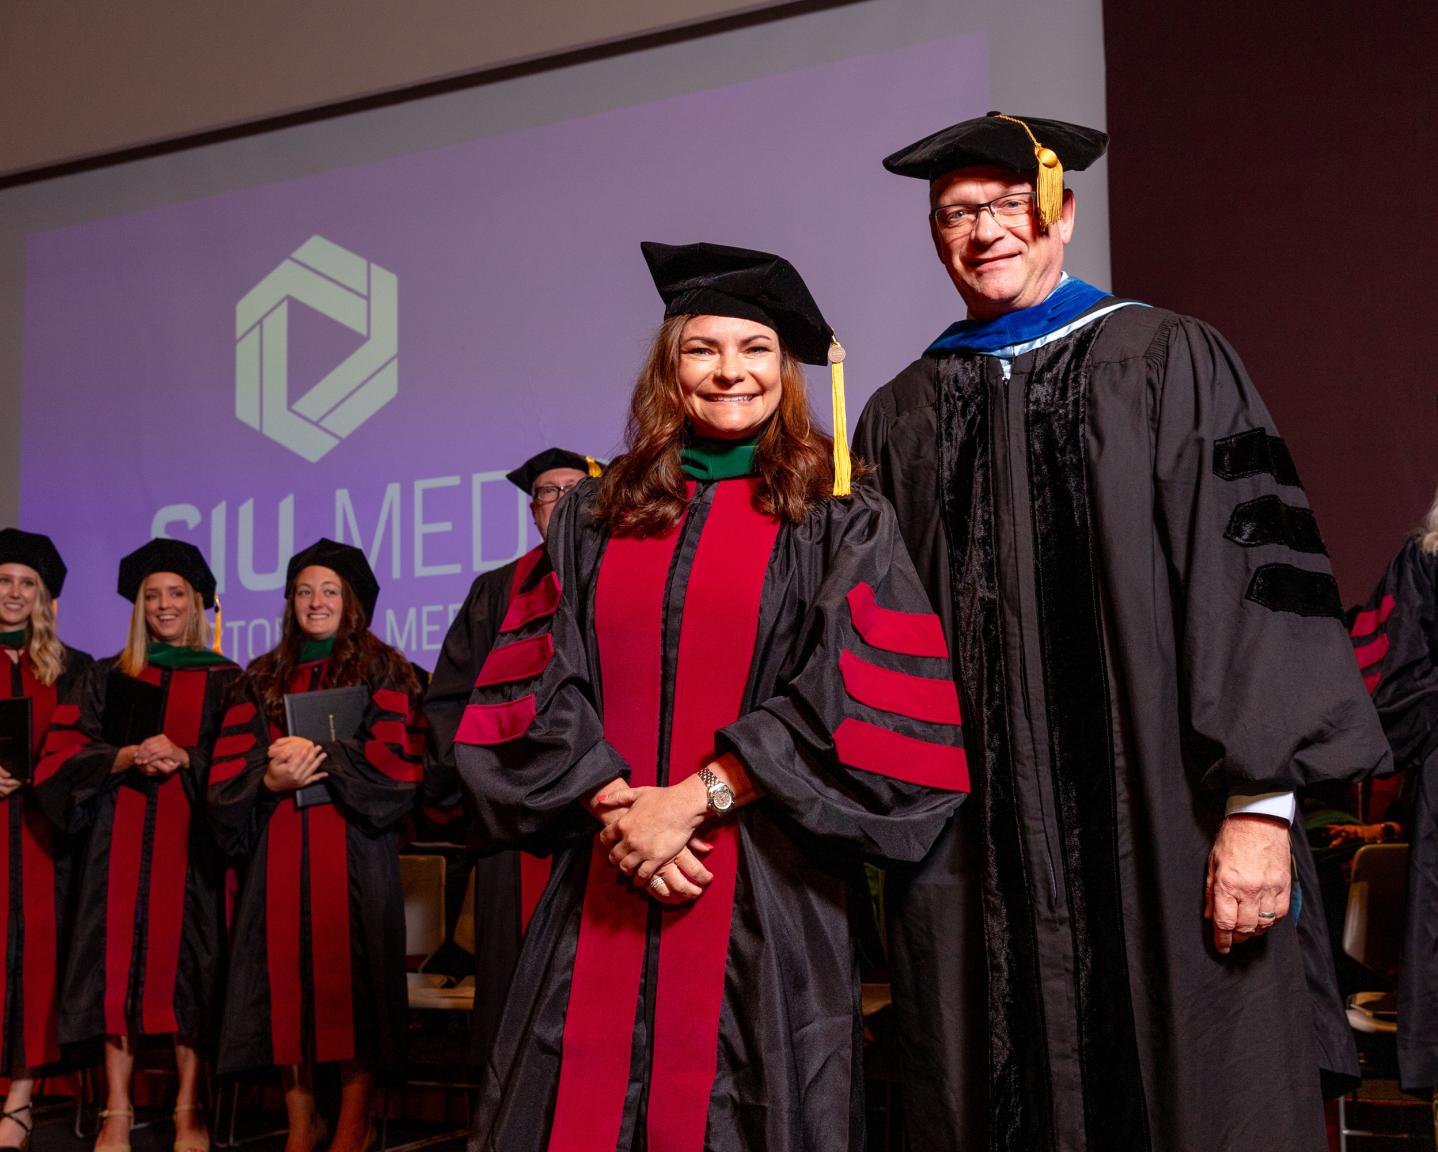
[349,290]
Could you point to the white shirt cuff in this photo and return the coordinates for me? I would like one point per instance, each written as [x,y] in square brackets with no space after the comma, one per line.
[1281,805]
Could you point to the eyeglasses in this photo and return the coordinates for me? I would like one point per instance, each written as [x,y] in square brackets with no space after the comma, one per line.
[549,493]
[1010,210]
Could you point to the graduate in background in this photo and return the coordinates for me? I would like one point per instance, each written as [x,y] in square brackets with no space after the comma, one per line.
[1395,639]
[507,884]
[148,945]
[34,868]
[317,972]
[734,674]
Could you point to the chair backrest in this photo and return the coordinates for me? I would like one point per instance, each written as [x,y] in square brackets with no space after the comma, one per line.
[464,925]
[1377,894]
[422,878]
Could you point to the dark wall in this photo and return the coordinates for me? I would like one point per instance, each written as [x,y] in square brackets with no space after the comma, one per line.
[1274,171]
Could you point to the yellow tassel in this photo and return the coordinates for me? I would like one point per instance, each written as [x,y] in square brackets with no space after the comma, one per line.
[1050,189]
[842,468]
[219,628]
[594,468]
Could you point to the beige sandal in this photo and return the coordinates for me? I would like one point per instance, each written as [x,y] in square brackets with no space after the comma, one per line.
[194,1143]
[107,1112]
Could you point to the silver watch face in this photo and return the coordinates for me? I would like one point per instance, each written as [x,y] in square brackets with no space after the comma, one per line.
[721,799]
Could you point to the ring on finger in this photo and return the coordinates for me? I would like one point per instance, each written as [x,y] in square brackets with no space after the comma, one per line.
[1268,916]
[657,883]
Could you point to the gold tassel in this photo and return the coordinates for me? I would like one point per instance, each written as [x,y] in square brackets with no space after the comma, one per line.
[842,468]
[1050,190]
[594,468]
[219,628]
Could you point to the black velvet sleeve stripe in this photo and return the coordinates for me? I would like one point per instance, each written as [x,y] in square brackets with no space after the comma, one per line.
[1268,520]
[1284,588]
[1251,453]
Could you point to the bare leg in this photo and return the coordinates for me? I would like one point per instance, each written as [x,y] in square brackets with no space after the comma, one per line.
[306,1127]
[189,1119]
[352,1133]
[119,1066]
[12,1132]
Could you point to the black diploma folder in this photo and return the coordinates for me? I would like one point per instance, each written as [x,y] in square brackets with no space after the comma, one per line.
[17,738]
[134,711]
[324,716]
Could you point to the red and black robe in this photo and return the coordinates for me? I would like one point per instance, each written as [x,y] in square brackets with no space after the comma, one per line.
[1395,638]
[507,885]
[810,653]
[317,970]
[147,951]
[35,869]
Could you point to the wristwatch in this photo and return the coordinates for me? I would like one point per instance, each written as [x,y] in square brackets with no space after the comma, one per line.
[721,796]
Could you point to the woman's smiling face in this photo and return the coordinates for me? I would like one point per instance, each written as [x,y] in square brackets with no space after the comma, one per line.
[729,376]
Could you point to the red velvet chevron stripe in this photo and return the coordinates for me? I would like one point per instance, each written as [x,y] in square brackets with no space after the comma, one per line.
[523,660]
[526,607]
[918,697]
[907,633]
[1368,650]
[884,752]
[496,723]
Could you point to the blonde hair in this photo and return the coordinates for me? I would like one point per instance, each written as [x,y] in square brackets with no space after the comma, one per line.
[1428,532]
[47,654]
[197,631]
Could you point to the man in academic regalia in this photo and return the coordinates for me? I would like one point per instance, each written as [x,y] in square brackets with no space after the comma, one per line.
[507,884]
[1119,945]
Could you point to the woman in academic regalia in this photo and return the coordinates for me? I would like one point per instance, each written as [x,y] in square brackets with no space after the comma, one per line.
[317,971]
[34,868]
[147,949]
[730,692]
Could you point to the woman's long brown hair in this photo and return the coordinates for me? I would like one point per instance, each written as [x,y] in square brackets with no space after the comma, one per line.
[359,657]
[643,493]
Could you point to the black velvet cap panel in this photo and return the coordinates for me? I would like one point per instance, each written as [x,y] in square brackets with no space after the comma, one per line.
[527,473]
[34,551]
[345,559]
[716,280]
[167,556]
[987,140]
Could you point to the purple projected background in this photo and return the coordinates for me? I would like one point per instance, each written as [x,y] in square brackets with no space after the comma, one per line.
[523,309]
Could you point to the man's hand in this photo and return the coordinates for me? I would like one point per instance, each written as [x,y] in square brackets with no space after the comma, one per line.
[1362,833]
[1249,873]
[8,784]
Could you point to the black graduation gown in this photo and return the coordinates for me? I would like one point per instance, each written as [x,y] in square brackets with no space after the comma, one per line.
[809,652]
[35,868]
[1394,638]
[147,952]
[507,884]
[1142,618]
[317,967]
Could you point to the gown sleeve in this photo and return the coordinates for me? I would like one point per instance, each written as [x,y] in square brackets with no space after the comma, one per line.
[75,762]
[375,777]
[862,744]
[466,645]
[1393,635]
[530,747]
[239,803]
[1271,696]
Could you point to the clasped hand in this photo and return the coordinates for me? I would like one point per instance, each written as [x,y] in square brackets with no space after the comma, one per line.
[8,784]
[651,833]
[294,763]
[159,756]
